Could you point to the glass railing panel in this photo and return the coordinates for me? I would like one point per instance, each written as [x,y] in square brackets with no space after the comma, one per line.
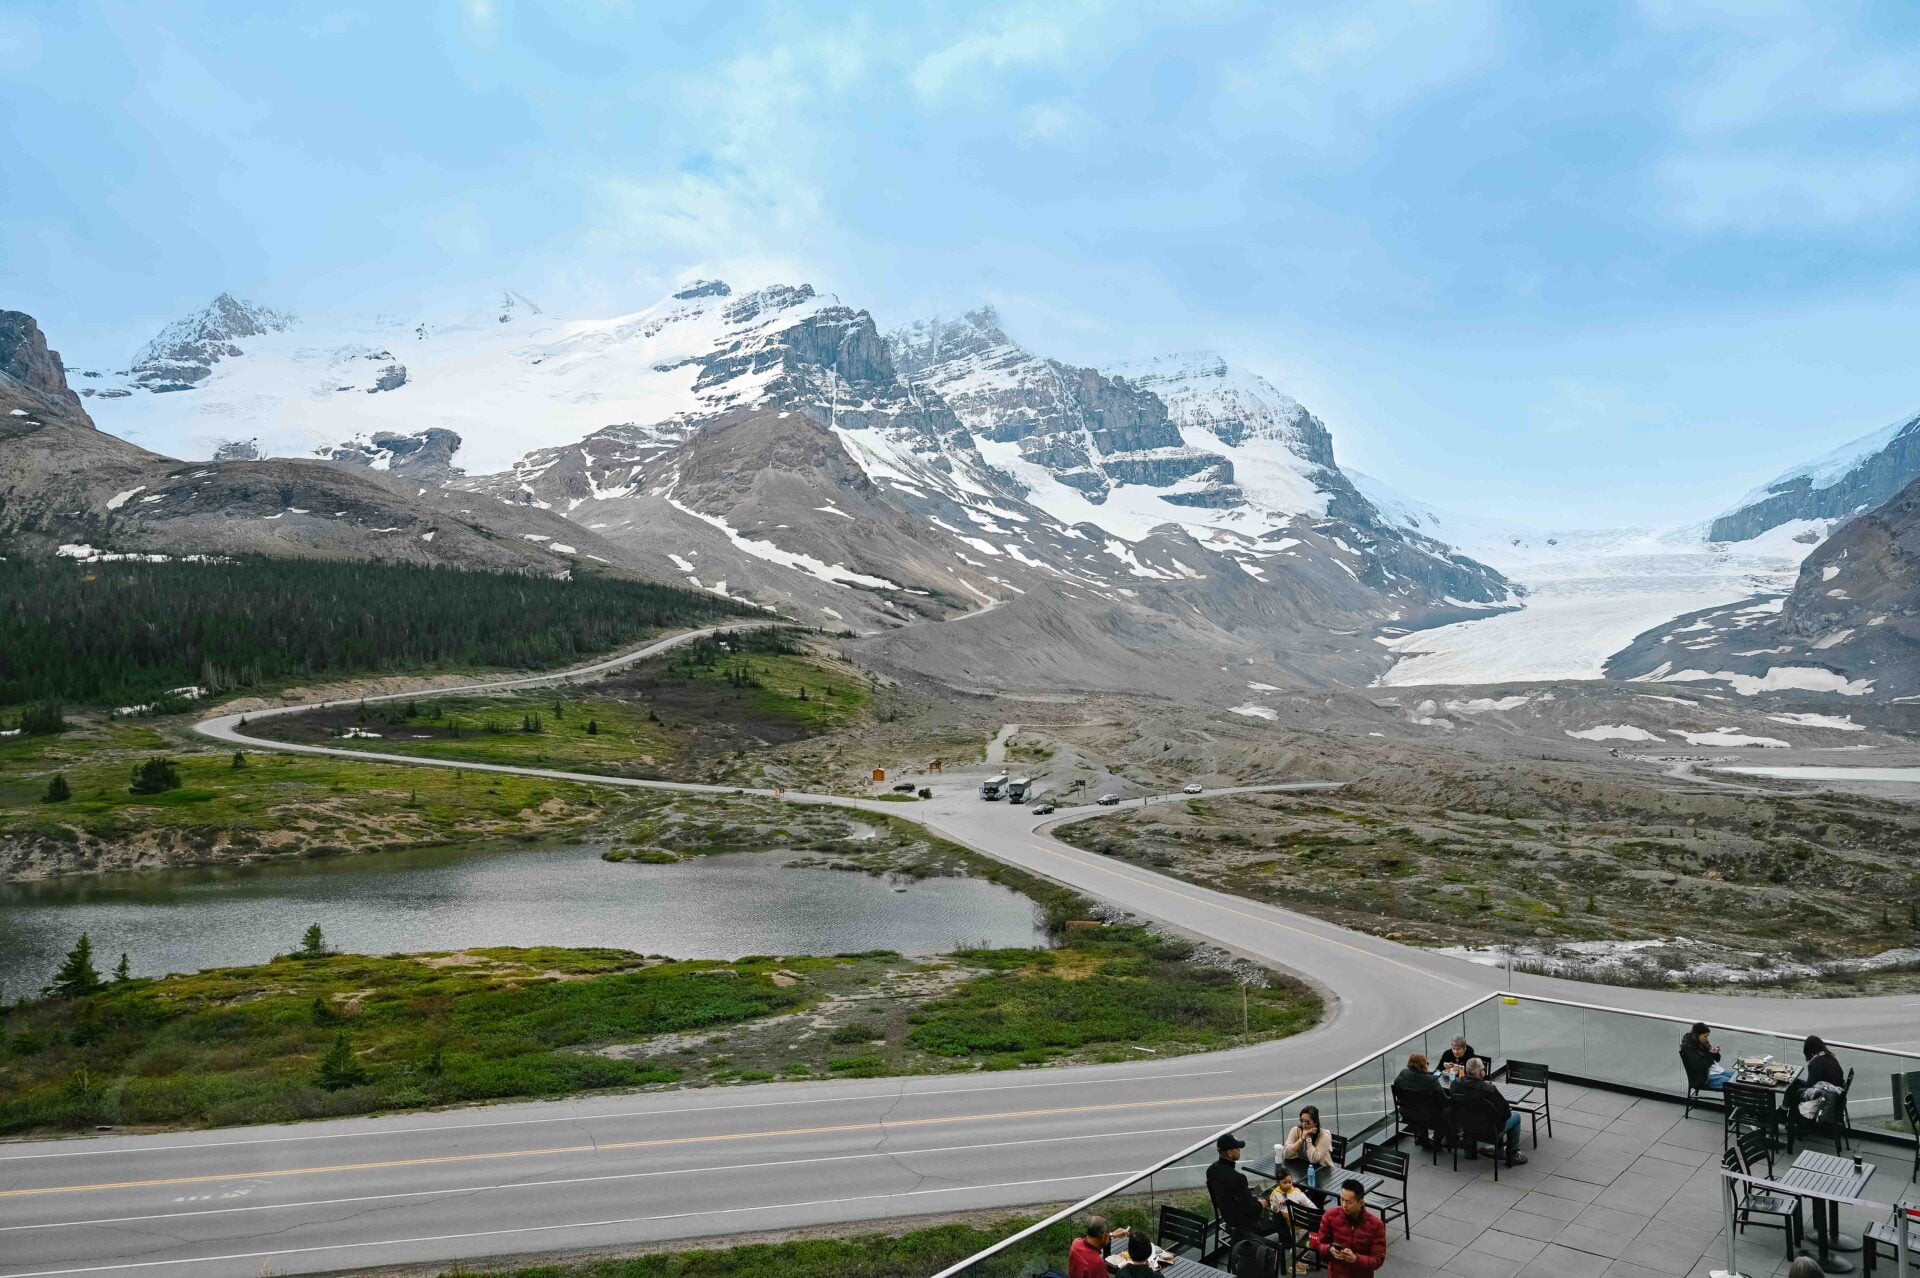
[1482,1028]
[1550,1034]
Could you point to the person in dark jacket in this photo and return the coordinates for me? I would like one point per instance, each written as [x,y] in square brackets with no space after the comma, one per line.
[1234,1203]
[1457,1055]
[1138,1263]
[1476,1086]
[1418,1078]
[1702,1059]
[1821,1067]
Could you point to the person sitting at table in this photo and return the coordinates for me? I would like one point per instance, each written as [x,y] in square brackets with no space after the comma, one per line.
[1087,1257]
[1821,1066]
[1813,1093]
[1457,1054]
[1139,1261]
[1417,1077]
[1351,1239]
[1235,1204]
[1702,1059]
[1475,1084]
[1311,1142]
[1284,1197]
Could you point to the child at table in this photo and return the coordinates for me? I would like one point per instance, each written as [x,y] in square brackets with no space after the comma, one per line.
[1139,1261]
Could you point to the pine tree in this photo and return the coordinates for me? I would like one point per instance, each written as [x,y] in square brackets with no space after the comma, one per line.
[239,760]
[77,976]
[339,1067]
[121,972]
[58,791]
[593,727]
[155,776]
[313,944]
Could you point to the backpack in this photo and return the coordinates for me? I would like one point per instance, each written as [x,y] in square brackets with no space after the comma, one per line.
[1255,1258]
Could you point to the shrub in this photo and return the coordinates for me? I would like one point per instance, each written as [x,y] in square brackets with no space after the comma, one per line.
[155,776]
[340,1068]
[58,791]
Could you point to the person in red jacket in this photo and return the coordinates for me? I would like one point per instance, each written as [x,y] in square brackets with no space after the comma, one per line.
[1352,1239]
[1087,1257]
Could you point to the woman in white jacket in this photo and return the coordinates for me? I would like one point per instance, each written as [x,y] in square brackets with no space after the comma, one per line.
[1310,1141]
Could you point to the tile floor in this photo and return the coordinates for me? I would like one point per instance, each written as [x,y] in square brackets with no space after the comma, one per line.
[1625,1187]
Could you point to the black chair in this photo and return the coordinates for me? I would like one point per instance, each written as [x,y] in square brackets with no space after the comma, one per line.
[1422,1115]
[1750,1107]
[1881,1241]
[1750,1201]
[1188,1233]
[1698,1093]
[1306,1223]
[1540,1104]
[1388,1165]
[1834,1123]
[1476,1123]
[1260,1258]
[1337,1146]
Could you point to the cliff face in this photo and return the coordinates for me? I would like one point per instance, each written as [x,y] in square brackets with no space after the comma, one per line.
[32,378]
[1856,477]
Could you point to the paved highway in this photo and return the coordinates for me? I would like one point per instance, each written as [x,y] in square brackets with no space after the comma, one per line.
[608,1170]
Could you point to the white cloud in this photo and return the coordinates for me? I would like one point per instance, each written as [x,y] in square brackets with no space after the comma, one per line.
[1057,121]
[1021,37]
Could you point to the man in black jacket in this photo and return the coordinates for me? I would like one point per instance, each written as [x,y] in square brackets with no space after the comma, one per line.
[1421,1084]
[1475,1087]
[1234,1202]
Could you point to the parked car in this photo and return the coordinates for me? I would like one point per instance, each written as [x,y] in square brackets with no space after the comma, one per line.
[1109,800]
[1193,787]
[1042,809]
[905,787]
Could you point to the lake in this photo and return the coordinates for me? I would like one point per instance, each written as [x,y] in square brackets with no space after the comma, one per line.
[1814,773]
[708,907]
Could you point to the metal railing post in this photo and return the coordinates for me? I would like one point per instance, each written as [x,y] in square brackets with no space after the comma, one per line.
[1901,1242]
[1726,1214]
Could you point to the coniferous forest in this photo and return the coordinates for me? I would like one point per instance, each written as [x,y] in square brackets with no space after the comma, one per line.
[125,632]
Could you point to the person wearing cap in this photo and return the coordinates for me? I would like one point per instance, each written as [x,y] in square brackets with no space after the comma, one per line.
[1235,1204]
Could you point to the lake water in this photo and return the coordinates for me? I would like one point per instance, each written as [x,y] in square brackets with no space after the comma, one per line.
[1908,775]
[708,907]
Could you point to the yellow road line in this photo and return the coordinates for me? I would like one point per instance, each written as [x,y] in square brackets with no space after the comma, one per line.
[630,1144]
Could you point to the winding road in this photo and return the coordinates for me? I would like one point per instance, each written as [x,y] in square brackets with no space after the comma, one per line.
[613,1170]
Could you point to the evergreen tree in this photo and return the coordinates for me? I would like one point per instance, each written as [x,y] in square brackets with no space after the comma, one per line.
[121,972]
[155,776]
[313,944]
[43,720]
[77,976]
[58,791]
[340,1067]
[593,727]
[239,760]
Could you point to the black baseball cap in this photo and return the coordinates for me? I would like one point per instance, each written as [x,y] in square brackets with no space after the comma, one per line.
[1229,1141]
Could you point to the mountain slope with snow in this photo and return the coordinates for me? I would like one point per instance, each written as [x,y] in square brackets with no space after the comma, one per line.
[1854,477]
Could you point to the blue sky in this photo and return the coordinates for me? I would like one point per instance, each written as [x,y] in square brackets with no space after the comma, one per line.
[1597,262]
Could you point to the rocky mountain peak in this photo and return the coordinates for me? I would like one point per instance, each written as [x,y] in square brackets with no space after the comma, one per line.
[183,354]
[27,359]
[514,305]
[1852,478]
[763,301]
[703,288]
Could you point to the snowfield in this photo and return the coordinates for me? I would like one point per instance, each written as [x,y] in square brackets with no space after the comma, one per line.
[1590,594]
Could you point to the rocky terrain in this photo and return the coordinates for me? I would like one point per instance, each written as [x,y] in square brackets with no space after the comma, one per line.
[1849,625]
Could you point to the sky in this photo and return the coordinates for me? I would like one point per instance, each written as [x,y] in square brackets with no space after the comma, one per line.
[1599,263]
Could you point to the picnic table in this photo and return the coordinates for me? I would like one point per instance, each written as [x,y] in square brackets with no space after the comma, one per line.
[1827,1178]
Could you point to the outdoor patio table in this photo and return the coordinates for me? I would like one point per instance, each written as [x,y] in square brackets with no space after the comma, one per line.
[1297,1168]
[1178,1267]
[1826,1177]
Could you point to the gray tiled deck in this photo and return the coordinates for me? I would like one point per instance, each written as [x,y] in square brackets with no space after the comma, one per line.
[1625,1187]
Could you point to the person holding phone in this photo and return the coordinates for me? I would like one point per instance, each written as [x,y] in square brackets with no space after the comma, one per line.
[1351,1239]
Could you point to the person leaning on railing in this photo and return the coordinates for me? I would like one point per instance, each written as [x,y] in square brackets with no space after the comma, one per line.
[1351,1239]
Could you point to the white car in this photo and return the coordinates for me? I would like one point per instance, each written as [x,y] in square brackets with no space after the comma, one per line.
[1193,787]
[1108,800]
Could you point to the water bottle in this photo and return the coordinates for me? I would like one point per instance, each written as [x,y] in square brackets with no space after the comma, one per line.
[1313,1176]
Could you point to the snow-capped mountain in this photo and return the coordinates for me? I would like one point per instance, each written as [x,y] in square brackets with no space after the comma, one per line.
[1854,477]
[1072,526]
